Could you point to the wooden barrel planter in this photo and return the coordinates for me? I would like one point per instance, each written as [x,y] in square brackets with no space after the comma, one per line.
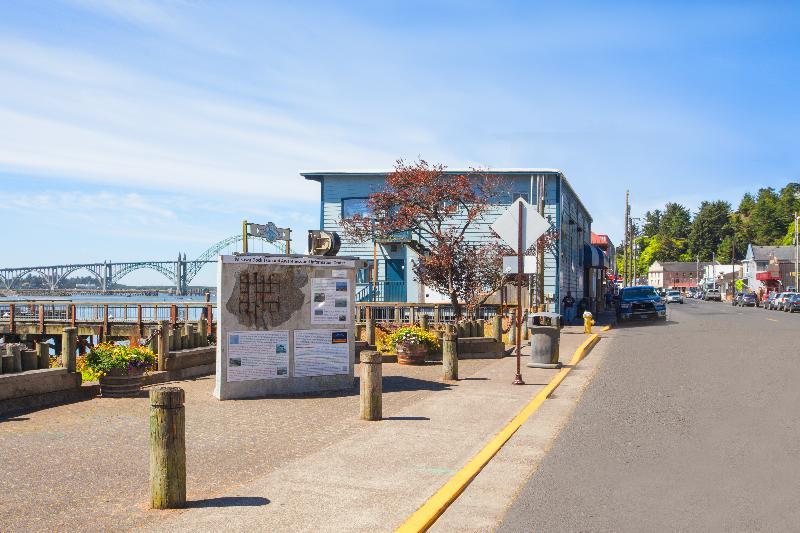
[121,386]
[411,354]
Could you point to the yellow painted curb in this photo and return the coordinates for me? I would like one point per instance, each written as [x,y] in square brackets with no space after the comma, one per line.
[424,517]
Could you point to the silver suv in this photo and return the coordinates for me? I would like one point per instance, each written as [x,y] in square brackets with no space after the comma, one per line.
[713,294]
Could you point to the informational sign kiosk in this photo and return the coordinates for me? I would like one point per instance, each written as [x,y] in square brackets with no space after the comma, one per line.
[285,324]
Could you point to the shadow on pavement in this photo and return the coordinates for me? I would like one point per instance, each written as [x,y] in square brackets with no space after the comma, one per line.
[406,418]
[228,501]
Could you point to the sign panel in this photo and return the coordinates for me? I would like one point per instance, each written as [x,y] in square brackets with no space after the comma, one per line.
[510,264]
[258,355]
[288,260]
[269,232]
[321,352]
[533,225]
[331,301]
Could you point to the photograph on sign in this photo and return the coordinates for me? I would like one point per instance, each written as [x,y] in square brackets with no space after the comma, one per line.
[331,299]
[321,352]
[533,225]
[258,355]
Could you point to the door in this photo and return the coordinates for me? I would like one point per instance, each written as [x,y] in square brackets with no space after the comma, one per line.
[395,290]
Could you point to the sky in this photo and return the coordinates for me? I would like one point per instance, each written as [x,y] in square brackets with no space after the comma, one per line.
[138,129]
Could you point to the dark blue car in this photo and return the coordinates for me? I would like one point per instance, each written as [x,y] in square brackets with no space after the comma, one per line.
[640,302]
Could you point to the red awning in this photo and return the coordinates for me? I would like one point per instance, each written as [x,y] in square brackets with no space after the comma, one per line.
[767,276]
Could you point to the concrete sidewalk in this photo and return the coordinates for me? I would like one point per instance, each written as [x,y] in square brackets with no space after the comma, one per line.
[374,478]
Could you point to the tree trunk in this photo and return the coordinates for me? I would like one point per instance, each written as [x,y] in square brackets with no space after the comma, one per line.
[456,305]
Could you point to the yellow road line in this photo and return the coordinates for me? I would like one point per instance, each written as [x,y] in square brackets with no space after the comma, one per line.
[774,320]
[424,517]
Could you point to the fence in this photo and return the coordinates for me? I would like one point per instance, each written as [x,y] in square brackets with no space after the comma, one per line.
[94,312]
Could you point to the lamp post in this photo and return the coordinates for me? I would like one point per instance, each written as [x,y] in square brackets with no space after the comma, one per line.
[796,261]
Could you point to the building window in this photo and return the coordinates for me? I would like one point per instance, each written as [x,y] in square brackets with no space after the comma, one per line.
[523,195]
[355,206]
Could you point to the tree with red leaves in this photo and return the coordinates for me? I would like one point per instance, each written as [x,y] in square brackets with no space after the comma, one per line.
[437,209]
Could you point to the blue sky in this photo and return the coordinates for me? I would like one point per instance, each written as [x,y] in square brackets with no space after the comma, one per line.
[139,128]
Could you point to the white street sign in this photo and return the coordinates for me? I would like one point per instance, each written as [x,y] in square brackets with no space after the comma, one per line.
[533,225]
[510,264]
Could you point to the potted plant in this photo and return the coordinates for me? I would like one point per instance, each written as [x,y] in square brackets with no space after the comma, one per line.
[413,344]
[119,369]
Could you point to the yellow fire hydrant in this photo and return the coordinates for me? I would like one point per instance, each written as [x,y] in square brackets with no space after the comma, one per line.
[588,322]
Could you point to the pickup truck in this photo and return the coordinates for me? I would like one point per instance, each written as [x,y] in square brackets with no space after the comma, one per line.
[640,302]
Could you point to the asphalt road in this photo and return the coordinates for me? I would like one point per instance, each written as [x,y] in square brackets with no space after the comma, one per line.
[688,425]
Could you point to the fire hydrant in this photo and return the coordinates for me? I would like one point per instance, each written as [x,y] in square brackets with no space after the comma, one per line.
[588,322]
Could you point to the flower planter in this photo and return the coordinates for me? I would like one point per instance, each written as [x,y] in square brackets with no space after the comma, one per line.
[411,354]
[121,385]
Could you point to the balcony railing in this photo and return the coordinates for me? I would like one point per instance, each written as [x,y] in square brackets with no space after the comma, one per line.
[382,291]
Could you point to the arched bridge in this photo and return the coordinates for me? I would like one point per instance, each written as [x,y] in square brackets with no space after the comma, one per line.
[180,272]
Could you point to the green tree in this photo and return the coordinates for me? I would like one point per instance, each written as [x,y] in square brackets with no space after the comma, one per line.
[676,222]
[710,226]
[652,223]
[767,226]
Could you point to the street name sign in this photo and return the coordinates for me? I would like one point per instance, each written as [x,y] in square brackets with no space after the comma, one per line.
[507,225]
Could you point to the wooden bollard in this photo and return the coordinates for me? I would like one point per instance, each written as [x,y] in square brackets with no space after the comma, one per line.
[43,350]
[450,357]
[167,448]
[30,360]
[370,331]
[423,322]
[163,343]
[512,333]
[525,333]
[189,333]
[174,339]
[497,328]
[481,328]
[69,345]
[371,385]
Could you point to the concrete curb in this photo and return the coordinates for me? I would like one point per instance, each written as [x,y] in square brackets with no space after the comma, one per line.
[424,517]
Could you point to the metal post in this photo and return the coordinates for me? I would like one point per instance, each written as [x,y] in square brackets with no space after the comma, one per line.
[520,268]
[244,236]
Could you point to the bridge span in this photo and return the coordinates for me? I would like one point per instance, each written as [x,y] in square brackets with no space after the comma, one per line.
[179,272]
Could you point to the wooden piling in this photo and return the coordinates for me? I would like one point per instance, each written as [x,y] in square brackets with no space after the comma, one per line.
[497,328]
[423,322]
[202,332]
[43,349]
[163,343]
[450,357]
[167,448]
[371,385]
[69,345]
[481,328]
[15,352]
[370,331]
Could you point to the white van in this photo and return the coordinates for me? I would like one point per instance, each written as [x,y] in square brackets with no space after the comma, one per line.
[713,294]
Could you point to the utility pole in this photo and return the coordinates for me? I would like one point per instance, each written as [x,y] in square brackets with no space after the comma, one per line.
[796,244]
[697,270]
[714,268]
[627,241]
[733,265]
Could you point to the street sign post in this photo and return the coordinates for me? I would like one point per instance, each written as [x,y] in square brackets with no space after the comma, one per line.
[520,227]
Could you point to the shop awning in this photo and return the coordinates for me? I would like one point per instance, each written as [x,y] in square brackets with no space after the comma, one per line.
[593,257]
[768,276]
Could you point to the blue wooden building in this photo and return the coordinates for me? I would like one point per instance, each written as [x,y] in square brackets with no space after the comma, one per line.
[572,269]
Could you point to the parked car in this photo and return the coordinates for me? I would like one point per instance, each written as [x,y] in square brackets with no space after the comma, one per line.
[747,299]
[793,303]
[640,302]
[712,294]
[781,300]
[768,299]
[674,297]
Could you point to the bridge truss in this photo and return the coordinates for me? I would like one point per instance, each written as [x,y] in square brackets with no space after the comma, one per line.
[179,272]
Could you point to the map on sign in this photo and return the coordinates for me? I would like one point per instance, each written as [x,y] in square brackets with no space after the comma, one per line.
[533,225]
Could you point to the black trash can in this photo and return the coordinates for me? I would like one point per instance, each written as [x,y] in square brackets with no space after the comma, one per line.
[545,338]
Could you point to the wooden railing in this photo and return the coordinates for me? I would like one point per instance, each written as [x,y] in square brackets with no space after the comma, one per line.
[408,313]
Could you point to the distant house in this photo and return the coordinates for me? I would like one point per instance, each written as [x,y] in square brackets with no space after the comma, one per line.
[345,193]
[769,267]
[675,274]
